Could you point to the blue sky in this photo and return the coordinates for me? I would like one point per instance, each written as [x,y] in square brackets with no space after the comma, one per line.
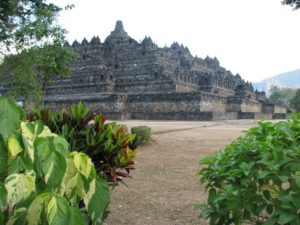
[256,38]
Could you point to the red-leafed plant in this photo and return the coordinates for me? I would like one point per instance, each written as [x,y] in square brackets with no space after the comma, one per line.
[110,146]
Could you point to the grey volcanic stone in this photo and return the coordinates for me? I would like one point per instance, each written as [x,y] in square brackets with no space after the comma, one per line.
[127,79]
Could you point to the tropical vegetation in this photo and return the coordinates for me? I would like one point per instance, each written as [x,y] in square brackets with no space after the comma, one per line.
[32,47]
[111,148]
[41,181]
[256,179]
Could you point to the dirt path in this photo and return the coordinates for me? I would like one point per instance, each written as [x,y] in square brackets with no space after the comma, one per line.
[165,187]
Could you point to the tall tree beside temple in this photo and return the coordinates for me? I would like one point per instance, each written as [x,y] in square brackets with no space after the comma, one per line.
[293,3]
[32,47]
[295,101]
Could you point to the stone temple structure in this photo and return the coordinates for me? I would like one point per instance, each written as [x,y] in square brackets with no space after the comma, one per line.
[127,79]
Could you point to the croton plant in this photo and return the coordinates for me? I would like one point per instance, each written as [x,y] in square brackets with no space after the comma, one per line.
[110,146]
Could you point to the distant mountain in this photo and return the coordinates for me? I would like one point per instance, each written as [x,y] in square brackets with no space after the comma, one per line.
[289,79]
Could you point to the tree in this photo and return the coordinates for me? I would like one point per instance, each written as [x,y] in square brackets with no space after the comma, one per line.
[281,96]
[295,101]
[27,22]
[293,3]
[31,47]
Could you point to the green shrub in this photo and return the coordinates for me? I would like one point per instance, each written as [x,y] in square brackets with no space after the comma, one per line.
[143,133]
[41,182]
[111,148]
[256,179]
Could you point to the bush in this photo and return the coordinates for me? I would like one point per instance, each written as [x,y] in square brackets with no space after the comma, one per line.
[41,182]
[143,133]
[111,148]
[256,179]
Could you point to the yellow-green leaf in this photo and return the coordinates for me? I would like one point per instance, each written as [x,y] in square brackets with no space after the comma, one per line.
[14,146]
[19,187]
[18,217]
[36,207]
[83,164]
[73,183]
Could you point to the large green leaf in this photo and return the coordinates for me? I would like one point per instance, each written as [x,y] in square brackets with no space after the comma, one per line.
[36,208]
[3,195]
[58,211]
[10,116]
[74,184]
[3,159]
[287,217]
[297,181]
[19,164]
[76,217]
[2,218]
[80,171]
[19,187]
[30,131]
[288,132]
[97,199]
[18,217]
[52,163]
[62,146]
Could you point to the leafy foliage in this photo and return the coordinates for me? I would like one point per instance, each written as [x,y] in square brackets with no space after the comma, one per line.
[32,47]
[26,23]
[281,96]
[293,3]
[256,179]
[295,101]
[41,182]
[28,73]
[111,148]
[143,133]
[10,115]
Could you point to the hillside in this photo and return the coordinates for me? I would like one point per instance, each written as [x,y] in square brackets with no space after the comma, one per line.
[289,79]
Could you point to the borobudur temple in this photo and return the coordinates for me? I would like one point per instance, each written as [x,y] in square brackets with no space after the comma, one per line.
[126,79]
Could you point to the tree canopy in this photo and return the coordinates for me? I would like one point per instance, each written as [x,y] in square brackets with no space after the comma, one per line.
[31,46]
[24,23]
[293,3]
[295,101]
[281,96]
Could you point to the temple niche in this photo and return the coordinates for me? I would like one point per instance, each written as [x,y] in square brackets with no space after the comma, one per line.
[139,80]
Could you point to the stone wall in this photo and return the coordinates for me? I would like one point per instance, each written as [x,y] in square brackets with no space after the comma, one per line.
[111,104]
[249,106]
[181,87]
[212,103]
[156,103]
[170,106]
[280,109]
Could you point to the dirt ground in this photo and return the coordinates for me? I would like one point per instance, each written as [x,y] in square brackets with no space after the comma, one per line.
[165,188]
